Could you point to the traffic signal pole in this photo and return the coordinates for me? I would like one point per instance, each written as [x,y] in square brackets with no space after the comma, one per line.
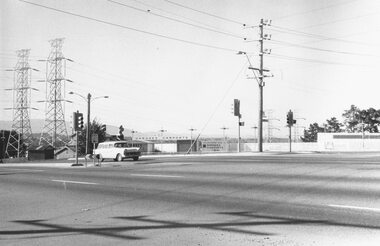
[238,147]
[77,139]
[290,138]
[88,121]
[290,121]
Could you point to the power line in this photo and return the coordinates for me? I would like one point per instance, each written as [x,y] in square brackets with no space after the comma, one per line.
[292,58]
[206,13]
[176,20]
[312,35]
[320,49]
[341,20]
[314,10]
[130,28]
[223,98]
[181,16]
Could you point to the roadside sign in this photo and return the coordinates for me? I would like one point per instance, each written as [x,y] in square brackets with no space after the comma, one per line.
[94,138]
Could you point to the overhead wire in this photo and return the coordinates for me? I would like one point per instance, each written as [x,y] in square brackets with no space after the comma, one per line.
[314,10]
[176,20]
[207,13]
[312,60]
[319,49]
[180,16]
[312,35]
[223,98]
[341,20]
[130,28]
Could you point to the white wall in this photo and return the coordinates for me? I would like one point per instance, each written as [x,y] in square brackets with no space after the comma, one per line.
[368,142]
[166,147]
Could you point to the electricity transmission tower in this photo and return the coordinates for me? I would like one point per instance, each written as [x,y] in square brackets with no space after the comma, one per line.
[21,133]
[54,131]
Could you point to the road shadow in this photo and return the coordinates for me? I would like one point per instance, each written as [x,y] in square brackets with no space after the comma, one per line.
[279,219]
[243,222]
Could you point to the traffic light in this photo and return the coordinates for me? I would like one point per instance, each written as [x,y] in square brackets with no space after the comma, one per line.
[236,107]
[289,118]
[78,121]
[103,128]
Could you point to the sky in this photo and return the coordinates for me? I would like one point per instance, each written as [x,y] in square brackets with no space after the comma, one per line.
[172,64]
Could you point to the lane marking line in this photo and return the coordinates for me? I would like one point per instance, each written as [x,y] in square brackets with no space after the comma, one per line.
[155,175]
[21,169]
[73,182]
[354,207]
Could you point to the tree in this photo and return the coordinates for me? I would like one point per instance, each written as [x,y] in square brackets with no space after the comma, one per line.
[352,119]
[357,120]
[333,125]
[370,120]
[95,127]
[310,135]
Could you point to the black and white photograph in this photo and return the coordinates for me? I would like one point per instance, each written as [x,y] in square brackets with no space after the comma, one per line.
[190,122]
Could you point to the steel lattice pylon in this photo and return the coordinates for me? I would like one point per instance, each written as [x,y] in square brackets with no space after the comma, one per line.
[21,133]
[54,132]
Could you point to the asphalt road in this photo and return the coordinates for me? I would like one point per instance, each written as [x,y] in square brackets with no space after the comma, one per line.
[276,199]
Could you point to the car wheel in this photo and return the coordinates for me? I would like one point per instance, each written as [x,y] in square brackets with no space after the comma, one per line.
[119,157]
[101,159]
[136,158]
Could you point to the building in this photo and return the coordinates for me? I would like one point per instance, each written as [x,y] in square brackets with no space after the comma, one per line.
[41,153]
[65,152]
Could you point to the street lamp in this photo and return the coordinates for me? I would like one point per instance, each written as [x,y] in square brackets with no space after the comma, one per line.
[88,100]
[162,137]
[255,136]
[191,138]
[133,132]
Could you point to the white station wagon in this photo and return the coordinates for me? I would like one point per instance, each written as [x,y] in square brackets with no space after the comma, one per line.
[117,150]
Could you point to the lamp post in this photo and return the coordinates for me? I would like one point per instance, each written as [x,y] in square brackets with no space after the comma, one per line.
[133,132]
[89,99]
[255,129]
[224,136]
[162,138]
[191,138]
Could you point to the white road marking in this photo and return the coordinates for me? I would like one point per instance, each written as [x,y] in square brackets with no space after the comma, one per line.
[354,207]
[20,169]
[155,175]
[73,182]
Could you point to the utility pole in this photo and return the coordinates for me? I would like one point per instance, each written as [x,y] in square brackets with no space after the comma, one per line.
[261,87]
[260,79]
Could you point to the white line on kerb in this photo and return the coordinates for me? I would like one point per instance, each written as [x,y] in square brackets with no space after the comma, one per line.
[73,182]
[354,207]
[155,175]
